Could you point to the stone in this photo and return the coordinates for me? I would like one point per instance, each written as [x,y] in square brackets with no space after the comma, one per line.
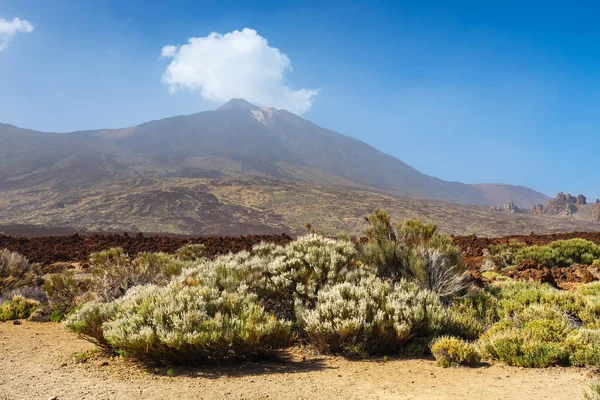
[39,315]
[509,207]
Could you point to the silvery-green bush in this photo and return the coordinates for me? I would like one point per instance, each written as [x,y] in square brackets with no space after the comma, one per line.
[114,271]
[16,271]
[371,316]
[183,322]
[282,276]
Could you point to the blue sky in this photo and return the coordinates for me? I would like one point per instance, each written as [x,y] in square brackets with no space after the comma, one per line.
[465,90]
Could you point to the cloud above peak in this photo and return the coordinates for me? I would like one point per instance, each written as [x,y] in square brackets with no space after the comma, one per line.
[8,29]
[238,64]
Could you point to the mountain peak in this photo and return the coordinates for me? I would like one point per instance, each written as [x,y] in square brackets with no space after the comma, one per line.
[237,104]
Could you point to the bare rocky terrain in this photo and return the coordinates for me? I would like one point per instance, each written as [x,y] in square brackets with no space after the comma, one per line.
[195,206]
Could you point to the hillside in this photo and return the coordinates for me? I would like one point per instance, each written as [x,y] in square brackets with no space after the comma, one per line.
[236,140]
[238,169]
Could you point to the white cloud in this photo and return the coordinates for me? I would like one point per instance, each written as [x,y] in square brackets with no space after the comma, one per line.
[168,51]
[234,65]
[8,29]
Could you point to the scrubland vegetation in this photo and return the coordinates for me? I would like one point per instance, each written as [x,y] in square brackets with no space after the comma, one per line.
[404,292]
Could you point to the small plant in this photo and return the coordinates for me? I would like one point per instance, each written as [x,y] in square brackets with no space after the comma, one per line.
[451,351]
[170,371]
[593,392]
[85,356]
[596,263]
[17,308]
[56,316]
[114,272]
[16,271]
[63,291]
[191,252]
[502,255]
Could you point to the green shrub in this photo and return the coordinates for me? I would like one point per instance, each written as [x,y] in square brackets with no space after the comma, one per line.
[515,296]
[113,271]
[191,252]
[183,323]
[463,325]
[589,289]
[584,347]
[17,308]
[502,255]
[593,392]
[561,253]
[510,348]
[63,291]
[16,271]
[472,314]
[596,263]
[532,338]
[371,317]
[416,252]
[450,351]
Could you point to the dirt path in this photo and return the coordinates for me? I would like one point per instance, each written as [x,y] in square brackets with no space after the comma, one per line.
[37,362]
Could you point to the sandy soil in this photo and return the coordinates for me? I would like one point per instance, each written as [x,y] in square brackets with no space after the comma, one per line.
[37,361]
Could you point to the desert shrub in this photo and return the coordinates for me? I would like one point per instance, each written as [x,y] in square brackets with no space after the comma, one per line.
[463,325]
[436,270]
[451,351]
[88,321]
[584,347]
[16,271]
[191,252]
[589,289]
[416,252]
[64,292]
[593,392]
[371,316]
[113,271]
[502,255]
[596,263]
[515,296]
[282,276]
[561,253]
[531,338]
[472,314]
[17,308]
[36,293]
[183,323]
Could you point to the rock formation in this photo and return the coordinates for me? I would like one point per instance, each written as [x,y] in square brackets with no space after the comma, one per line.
[596,212]
[509,207]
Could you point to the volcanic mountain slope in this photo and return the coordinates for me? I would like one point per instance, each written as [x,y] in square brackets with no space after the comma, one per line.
[236,140]
[198,206]
[239,169]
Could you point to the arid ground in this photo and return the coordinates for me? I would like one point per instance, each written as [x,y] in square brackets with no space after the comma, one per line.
[38,361]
